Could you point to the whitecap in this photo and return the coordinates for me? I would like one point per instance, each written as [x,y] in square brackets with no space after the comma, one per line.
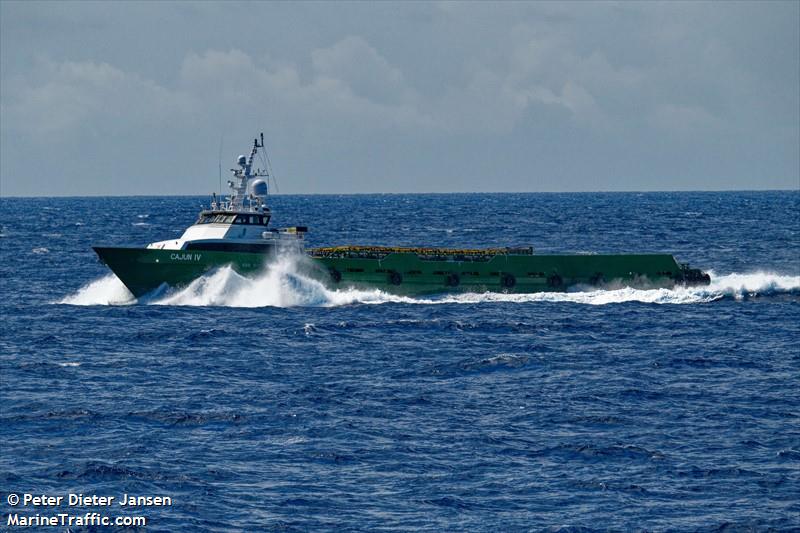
[107,290]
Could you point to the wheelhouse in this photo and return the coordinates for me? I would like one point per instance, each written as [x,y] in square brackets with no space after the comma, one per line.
[226,217]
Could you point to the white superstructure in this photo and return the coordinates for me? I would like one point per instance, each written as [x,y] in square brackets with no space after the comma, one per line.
[239,222]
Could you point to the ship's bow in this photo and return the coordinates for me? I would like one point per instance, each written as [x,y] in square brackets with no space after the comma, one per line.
[130,265]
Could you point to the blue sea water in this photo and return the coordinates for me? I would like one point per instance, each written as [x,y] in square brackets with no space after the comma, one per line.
[275,404]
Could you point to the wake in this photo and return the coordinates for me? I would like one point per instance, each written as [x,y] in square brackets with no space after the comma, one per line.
[282,286]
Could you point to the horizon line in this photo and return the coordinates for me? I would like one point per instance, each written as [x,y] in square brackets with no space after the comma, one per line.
[411,193]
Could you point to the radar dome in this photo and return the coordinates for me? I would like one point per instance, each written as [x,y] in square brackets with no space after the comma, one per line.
[242,160]
[258,188]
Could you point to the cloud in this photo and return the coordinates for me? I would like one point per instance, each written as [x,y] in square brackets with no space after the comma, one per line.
[69,95]
[358,65]
[684,119]
[351,86]
[531,83]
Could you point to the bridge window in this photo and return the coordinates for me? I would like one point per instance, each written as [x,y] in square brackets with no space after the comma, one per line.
[223,218]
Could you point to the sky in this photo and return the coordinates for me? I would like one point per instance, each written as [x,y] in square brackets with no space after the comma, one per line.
[115,98]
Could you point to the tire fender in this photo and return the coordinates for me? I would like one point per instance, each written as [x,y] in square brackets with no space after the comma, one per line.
[508,281]
[555,281]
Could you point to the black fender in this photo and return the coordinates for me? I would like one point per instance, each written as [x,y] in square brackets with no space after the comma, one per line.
[555,281]
[395,278]
[508,281]
[452,280]
[335,275]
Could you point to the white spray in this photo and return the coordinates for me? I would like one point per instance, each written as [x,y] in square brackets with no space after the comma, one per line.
[282,285]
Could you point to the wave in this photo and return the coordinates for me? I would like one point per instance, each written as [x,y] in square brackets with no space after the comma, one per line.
[281,285]
[107,290]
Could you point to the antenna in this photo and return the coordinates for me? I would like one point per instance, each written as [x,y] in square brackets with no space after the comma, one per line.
[268,164]
[219,160]
[271,172]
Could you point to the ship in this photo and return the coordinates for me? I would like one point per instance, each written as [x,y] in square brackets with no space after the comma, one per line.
[235,231]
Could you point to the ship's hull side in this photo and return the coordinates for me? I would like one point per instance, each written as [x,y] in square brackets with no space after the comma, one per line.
[408,274]
[143,270]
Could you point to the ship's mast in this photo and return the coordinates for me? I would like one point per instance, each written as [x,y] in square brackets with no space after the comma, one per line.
[241,181]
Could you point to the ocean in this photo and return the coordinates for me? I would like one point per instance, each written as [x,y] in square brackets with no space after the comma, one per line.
[275,404]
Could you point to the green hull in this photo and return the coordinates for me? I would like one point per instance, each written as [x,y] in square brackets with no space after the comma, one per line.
[407,274]
[143,270]
[403,272]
